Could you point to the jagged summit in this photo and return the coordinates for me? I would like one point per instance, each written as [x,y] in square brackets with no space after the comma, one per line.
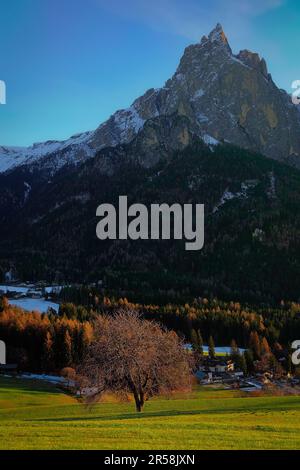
[218,35]
[216,38]
[224,97]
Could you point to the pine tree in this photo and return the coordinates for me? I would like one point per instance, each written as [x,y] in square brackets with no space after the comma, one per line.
[4,303]
[234,350]
[243,364]
[67,350]
[211,348]
[200,342]
[248,355]
[235,354]
[194,340]
[48,356]
[85,337]
[264,346]
[254,344]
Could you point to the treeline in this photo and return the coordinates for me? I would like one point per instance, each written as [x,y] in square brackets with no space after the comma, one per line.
[50,342]
[265,332]
[42,343]
[222,320]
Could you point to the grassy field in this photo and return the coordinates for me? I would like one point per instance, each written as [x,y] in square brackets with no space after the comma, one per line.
[39,416]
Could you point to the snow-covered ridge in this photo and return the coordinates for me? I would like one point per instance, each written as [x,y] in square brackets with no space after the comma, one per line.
[11,157]
[121,127]
[128,119]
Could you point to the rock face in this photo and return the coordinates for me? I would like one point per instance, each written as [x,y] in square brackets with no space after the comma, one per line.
[214,95]
[224,96]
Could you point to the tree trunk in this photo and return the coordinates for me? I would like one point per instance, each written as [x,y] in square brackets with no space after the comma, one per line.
[142,398]
[138,406]
[139,402]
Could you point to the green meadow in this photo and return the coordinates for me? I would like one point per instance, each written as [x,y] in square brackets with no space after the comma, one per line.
[36,415]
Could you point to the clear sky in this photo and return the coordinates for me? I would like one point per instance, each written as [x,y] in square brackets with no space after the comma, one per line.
[69,64]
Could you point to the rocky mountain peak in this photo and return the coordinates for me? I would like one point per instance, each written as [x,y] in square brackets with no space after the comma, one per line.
[216,39]
[217,95]
[218,35]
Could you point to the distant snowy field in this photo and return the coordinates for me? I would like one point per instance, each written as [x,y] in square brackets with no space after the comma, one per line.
[218,349]
[28,303]
[40,305]
[221,349]
[25,289]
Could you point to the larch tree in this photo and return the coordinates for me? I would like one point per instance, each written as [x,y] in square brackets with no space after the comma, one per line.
[234,350]
[47,357]
[254,344]
[264,346]
[67,349]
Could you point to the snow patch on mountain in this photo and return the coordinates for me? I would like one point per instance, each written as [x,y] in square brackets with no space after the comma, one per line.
[198,94]
[128,119]
[11,157]
[209,140]
[228,195]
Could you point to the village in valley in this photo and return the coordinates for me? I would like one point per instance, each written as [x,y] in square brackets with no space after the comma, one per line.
[223,372]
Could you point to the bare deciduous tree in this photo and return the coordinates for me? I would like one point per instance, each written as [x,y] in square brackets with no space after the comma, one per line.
[133,355]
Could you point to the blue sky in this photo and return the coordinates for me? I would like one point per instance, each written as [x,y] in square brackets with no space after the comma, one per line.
[69,64]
